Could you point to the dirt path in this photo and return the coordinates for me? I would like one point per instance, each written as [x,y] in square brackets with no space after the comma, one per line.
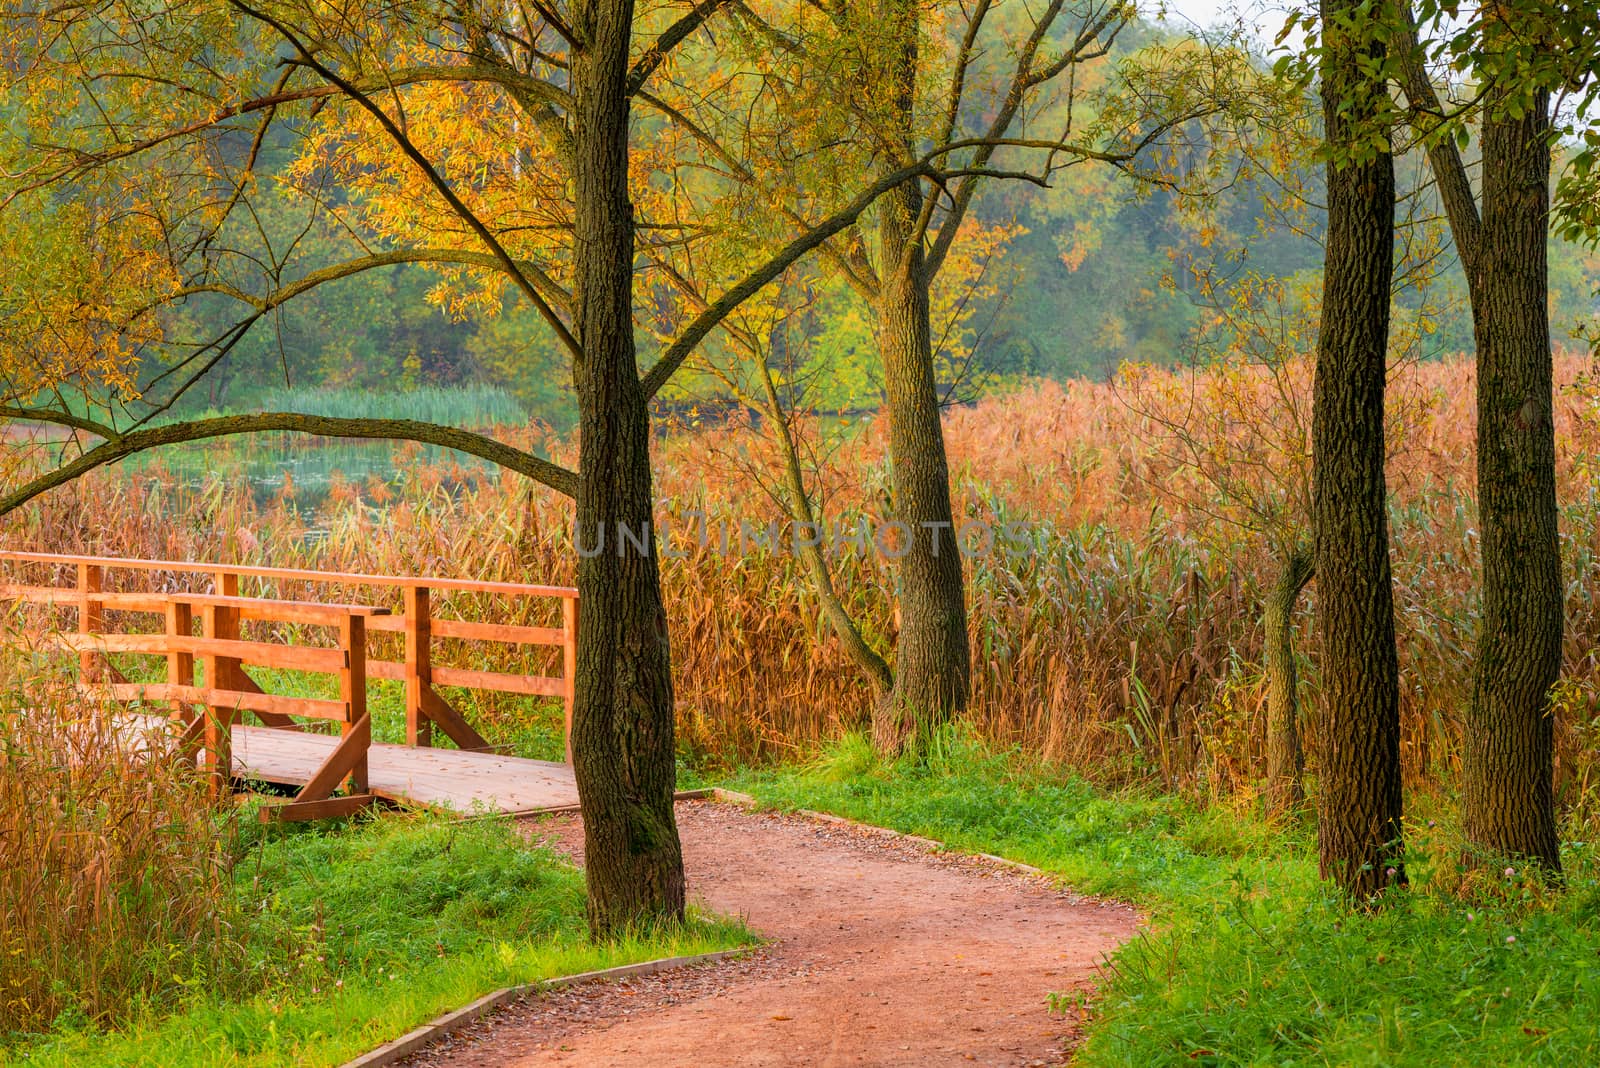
[883,955]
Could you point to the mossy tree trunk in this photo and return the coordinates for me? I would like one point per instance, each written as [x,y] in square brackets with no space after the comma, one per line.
[932,660]
[623,747]
[1359,810]
[1508,802]
[1500,234]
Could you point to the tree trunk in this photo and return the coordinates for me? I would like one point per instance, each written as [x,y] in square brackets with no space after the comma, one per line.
[1507,766]
[1286,762]
[623,749]
[809,543]
[932,666]
[1359,829]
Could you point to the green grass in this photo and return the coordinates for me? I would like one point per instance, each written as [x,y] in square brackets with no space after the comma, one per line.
[372,927]
[1249,959]
[470,406]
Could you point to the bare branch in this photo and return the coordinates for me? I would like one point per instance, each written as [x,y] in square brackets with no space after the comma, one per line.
[405,144]
[670,38]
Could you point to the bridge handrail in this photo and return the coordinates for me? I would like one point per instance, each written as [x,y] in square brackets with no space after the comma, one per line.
[337,578]
[228,688]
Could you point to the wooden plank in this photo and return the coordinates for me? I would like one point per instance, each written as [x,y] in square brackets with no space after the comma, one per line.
[418,668]
[334,578]
[91,619]
[569,666]
[497,632]
[52,595]
[386,669]
[349,756]
[153,603]
[353,690]
[234,700]
[536,685]
[219,622]
[326,808]
[259,654]
[315,613]
[180,665]
[243,681]
[439,778]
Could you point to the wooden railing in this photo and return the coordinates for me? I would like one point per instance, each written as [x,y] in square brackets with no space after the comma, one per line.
[222,652]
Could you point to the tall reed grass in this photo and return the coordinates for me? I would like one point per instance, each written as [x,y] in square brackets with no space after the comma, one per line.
[115,884]
[1126,643]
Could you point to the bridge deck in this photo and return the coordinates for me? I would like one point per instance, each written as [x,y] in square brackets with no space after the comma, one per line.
[408,775]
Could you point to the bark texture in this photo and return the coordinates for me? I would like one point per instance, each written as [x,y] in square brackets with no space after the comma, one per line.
[623,750]
[1286,762]
[1358,826]
[1508,762]
[1508,802]
[932,662]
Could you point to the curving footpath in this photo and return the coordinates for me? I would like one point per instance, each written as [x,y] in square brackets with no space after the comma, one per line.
[884,953]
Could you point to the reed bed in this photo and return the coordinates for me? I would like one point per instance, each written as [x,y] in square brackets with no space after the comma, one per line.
[1126,643]
[115,870]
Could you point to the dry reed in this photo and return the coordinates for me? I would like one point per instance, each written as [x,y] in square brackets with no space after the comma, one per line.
[1126,643]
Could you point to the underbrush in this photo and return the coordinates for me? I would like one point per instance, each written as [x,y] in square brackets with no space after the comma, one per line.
[1249,958]
[377,926]
[143,924]
[116,887]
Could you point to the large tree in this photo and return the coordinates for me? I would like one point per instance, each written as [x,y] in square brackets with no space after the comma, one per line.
[1359,800]
[1519,53]
[493,145]
[995,93]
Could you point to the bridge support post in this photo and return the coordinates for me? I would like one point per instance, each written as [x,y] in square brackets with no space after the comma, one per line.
[91,619]
[222,622]
[180,672]
[353,691]
[569,662]
[419,666]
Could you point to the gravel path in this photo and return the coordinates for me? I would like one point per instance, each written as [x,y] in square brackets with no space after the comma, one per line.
[883,954]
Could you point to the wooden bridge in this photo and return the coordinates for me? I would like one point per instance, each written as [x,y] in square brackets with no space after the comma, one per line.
[335,774]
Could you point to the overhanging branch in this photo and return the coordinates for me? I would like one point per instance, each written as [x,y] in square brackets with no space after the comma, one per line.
[543,471]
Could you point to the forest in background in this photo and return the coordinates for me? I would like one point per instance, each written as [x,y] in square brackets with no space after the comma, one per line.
[1071,281]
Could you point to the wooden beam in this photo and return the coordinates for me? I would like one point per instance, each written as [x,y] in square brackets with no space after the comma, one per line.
[419,665]
[220,622]
[534,685]
[180,665]
[332,578]
[91,618]
[239,700]
[569,665]
[452,723]
[260,654]
[349,755]
[322,809]
[353,690]
[282,721]
[497,632]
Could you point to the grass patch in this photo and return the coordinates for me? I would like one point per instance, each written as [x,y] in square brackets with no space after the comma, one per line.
[377,926]
[1250,959]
